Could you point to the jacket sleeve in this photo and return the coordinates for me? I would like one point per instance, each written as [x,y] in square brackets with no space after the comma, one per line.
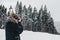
[20,27]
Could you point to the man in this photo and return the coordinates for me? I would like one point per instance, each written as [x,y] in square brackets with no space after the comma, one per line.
[13,27]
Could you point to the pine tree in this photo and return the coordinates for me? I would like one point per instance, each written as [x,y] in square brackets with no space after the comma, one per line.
[47,21]
[17,7]
[10,10]
[2,15]
[34,18]
[50,23]
[25,10]
[44,15]
[39,27]
[25,17]
[30,11]
[34,15]
[20,10]
[44,20]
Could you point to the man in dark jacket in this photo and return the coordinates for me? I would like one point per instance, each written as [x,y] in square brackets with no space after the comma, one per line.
[13,28]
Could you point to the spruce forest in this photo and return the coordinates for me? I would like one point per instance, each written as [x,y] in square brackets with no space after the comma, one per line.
[32,20]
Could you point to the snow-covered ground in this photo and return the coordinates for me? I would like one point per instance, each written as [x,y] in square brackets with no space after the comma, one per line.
[29,35]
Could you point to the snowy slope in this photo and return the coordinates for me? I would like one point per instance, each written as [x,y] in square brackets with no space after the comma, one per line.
[29,35]
[2,34]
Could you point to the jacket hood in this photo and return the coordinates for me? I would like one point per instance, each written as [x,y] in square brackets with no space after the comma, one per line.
[11,19]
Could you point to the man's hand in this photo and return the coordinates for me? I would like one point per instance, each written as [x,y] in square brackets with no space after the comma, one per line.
[19,20]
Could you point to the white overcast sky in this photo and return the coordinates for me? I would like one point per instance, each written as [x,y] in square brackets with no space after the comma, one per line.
[52,5]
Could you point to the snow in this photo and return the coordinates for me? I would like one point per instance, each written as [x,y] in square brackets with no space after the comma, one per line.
[2,34]
[29,35]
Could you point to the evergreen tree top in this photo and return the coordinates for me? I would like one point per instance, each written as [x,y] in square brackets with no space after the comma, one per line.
[45,8]
[10,7]
[17,2]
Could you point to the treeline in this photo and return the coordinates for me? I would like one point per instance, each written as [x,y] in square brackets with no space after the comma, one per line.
[33,20]
[3,15]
